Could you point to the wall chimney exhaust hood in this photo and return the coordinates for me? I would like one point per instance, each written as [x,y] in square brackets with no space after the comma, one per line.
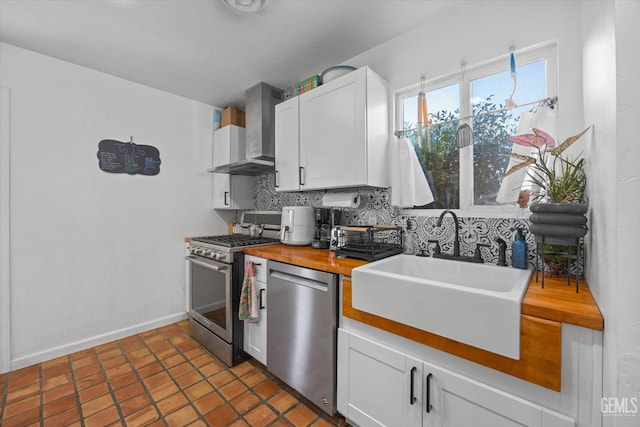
[261,100]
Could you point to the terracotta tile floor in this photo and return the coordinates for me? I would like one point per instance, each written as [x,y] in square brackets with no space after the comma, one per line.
[158,378]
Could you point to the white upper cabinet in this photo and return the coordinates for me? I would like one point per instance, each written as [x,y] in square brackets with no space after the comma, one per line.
[231,191]
[287,146]
[229,145]
[342,132]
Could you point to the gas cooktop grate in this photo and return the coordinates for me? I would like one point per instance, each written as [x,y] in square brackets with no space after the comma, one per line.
[234,240]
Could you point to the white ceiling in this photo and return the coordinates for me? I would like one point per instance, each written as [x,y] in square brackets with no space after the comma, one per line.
[201,49]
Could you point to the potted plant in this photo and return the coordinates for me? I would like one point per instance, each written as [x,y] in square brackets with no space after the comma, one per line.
[558,212]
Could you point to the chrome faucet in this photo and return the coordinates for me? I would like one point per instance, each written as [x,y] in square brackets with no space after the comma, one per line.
[456,242]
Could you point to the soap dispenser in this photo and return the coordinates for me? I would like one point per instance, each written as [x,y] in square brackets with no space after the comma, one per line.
[519,252]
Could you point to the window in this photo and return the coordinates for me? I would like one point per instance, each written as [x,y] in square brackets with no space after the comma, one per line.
[436,145]
[469,178]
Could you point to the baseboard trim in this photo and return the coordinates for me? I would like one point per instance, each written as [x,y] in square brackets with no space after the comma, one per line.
[52,353]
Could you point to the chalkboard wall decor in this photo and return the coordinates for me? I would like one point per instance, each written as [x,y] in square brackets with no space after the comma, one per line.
[127,157]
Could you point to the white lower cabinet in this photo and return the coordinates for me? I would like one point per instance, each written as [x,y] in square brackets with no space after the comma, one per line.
[461,401]
[374,383]
[382,386]
[255,334]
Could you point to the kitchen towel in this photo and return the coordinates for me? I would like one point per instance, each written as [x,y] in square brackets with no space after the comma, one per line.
[409,185]
[341,200]
[249,307]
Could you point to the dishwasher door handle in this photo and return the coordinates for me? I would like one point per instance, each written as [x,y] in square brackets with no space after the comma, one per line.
[302,281]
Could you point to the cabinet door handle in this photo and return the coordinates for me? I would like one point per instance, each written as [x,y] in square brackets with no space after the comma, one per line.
[226,203]
[428,399]
[260,304]
[301,175]
[412,398]
[276,183]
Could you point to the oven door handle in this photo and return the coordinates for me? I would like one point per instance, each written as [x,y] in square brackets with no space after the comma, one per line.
[208,265]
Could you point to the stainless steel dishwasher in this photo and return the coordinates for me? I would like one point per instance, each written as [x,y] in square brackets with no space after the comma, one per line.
[301,331]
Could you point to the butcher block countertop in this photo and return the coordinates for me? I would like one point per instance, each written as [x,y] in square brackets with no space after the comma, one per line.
[557,301]
[306,256]
[560,302]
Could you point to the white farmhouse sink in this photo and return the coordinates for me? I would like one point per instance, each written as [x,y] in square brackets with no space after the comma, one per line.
[476,304]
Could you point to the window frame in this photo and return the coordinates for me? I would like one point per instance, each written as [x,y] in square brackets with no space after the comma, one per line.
[547,51]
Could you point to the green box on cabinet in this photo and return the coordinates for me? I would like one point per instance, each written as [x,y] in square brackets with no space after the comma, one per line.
[308,84]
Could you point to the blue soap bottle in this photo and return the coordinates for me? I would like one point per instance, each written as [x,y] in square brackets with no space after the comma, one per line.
[519,250]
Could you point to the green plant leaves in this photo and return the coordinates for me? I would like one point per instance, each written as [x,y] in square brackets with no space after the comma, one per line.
[567,142]
[526,161]
[558,183]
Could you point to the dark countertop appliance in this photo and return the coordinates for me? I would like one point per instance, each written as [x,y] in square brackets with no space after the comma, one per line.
[322,232]
[325,220]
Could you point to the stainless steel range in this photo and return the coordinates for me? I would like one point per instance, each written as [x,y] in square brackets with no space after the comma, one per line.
[216,267]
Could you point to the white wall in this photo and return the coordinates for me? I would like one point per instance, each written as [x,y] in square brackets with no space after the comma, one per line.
[96,256]
[611,67]
[627,299]
[600,109]
[627,370]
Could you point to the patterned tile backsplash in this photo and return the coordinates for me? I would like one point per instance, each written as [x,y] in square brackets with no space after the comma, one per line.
[376,209]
